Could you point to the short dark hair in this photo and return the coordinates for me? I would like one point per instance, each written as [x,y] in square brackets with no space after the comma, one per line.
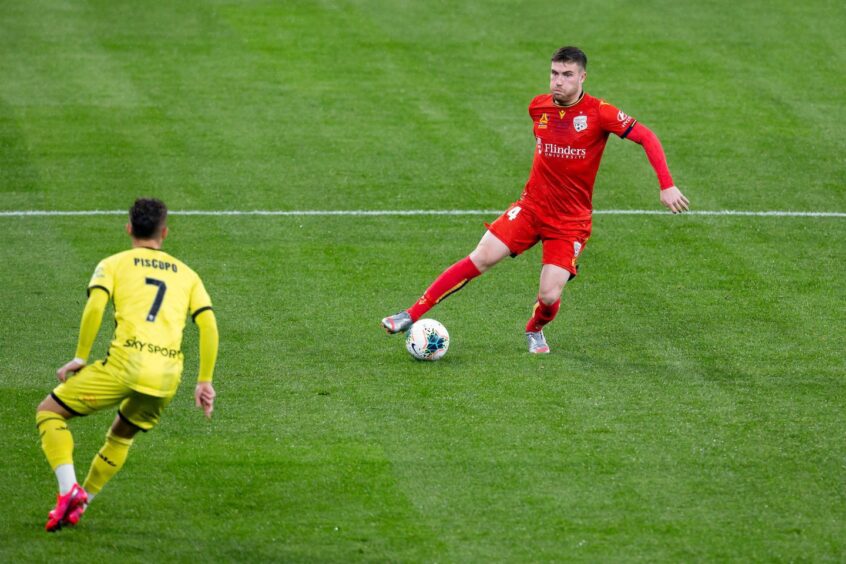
[147,216]
[570,54]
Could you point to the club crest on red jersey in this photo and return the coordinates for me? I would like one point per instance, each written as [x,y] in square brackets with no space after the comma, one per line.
[543,121]
[580,123]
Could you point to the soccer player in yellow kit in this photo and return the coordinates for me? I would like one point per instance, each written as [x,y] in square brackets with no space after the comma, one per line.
[153,293]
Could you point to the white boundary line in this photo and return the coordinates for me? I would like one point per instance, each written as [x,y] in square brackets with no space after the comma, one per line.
[300,213]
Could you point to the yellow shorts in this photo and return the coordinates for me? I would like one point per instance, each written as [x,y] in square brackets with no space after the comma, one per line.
[95,388]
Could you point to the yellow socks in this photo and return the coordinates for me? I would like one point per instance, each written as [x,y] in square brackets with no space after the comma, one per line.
[56,438]
[107,462]
[57,444]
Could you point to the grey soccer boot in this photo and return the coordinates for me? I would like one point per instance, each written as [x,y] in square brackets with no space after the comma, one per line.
[397,323]
[537,342]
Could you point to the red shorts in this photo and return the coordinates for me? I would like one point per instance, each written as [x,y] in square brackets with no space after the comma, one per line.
[520,229]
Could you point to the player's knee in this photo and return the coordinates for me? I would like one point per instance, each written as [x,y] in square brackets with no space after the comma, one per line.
[484,257]
[122,429]
[49,404]
[45,405]
[480,260]
[550,291]
[550,295]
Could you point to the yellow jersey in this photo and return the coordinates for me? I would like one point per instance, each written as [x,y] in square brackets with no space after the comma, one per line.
[152,293]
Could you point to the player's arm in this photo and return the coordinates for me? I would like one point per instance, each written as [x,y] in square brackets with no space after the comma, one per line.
[204,392]
[92,317]
[671,197]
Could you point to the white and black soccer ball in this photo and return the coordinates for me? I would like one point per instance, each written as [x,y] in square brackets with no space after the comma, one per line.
[427,340]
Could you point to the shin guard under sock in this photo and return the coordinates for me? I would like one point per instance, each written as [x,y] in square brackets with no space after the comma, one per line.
[450,281]
[107,462]
[56,438]
[542,315]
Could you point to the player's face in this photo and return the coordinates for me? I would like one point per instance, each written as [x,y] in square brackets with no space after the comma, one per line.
[565,82]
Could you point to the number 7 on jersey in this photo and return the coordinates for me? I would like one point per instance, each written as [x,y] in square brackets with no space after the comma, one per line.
[157,301]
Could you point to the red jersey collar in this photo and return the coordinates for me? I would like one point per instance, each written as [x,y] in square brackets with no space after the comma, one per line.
[576,103]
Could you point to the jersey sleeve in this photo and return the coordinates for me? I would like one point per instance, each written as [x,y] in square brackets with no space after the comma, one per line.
[614,120]
[200,300]
[103,277]
[533,105]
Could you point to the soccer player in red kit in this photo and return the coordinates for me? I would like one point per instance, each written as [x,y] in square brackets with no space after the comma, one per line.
[571,128]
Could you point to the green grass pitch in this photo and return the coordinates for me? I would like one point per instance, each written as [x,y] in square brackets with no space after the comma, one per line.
[693,409]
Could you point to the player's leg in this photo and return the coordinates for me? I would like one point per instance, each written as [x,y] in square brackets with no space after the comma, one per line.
[91,389]
[511,234]
[138,412]
[111,456]
[108,460]
[487,253]
[559,266]
[51,419]
[552,281]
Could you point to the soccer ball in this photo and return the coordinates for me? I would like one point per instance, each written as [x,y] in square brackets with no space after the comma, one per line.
[427,340]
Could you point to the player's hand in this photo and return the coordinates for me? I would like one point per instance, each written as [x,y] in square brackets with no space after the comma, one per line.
[70,369]
[204,397]
[674,200]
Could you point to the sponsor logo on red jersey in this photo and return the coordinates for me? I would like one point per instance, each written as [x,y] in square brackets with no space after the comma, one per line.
[557,151]
[623,118]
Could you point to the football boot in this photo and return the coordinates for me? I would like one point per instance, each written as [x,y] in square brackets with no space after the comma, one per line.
[397,323]
[74,515]
[66,505]
[537,342]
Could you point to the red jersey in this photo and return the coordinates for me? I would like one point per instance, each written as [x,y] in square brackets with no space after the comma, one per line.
[570,143]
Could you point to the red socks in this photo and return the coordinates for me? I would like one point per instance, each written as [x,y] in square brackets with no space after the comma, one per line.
[455,278]
[542,315]
[450,281]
